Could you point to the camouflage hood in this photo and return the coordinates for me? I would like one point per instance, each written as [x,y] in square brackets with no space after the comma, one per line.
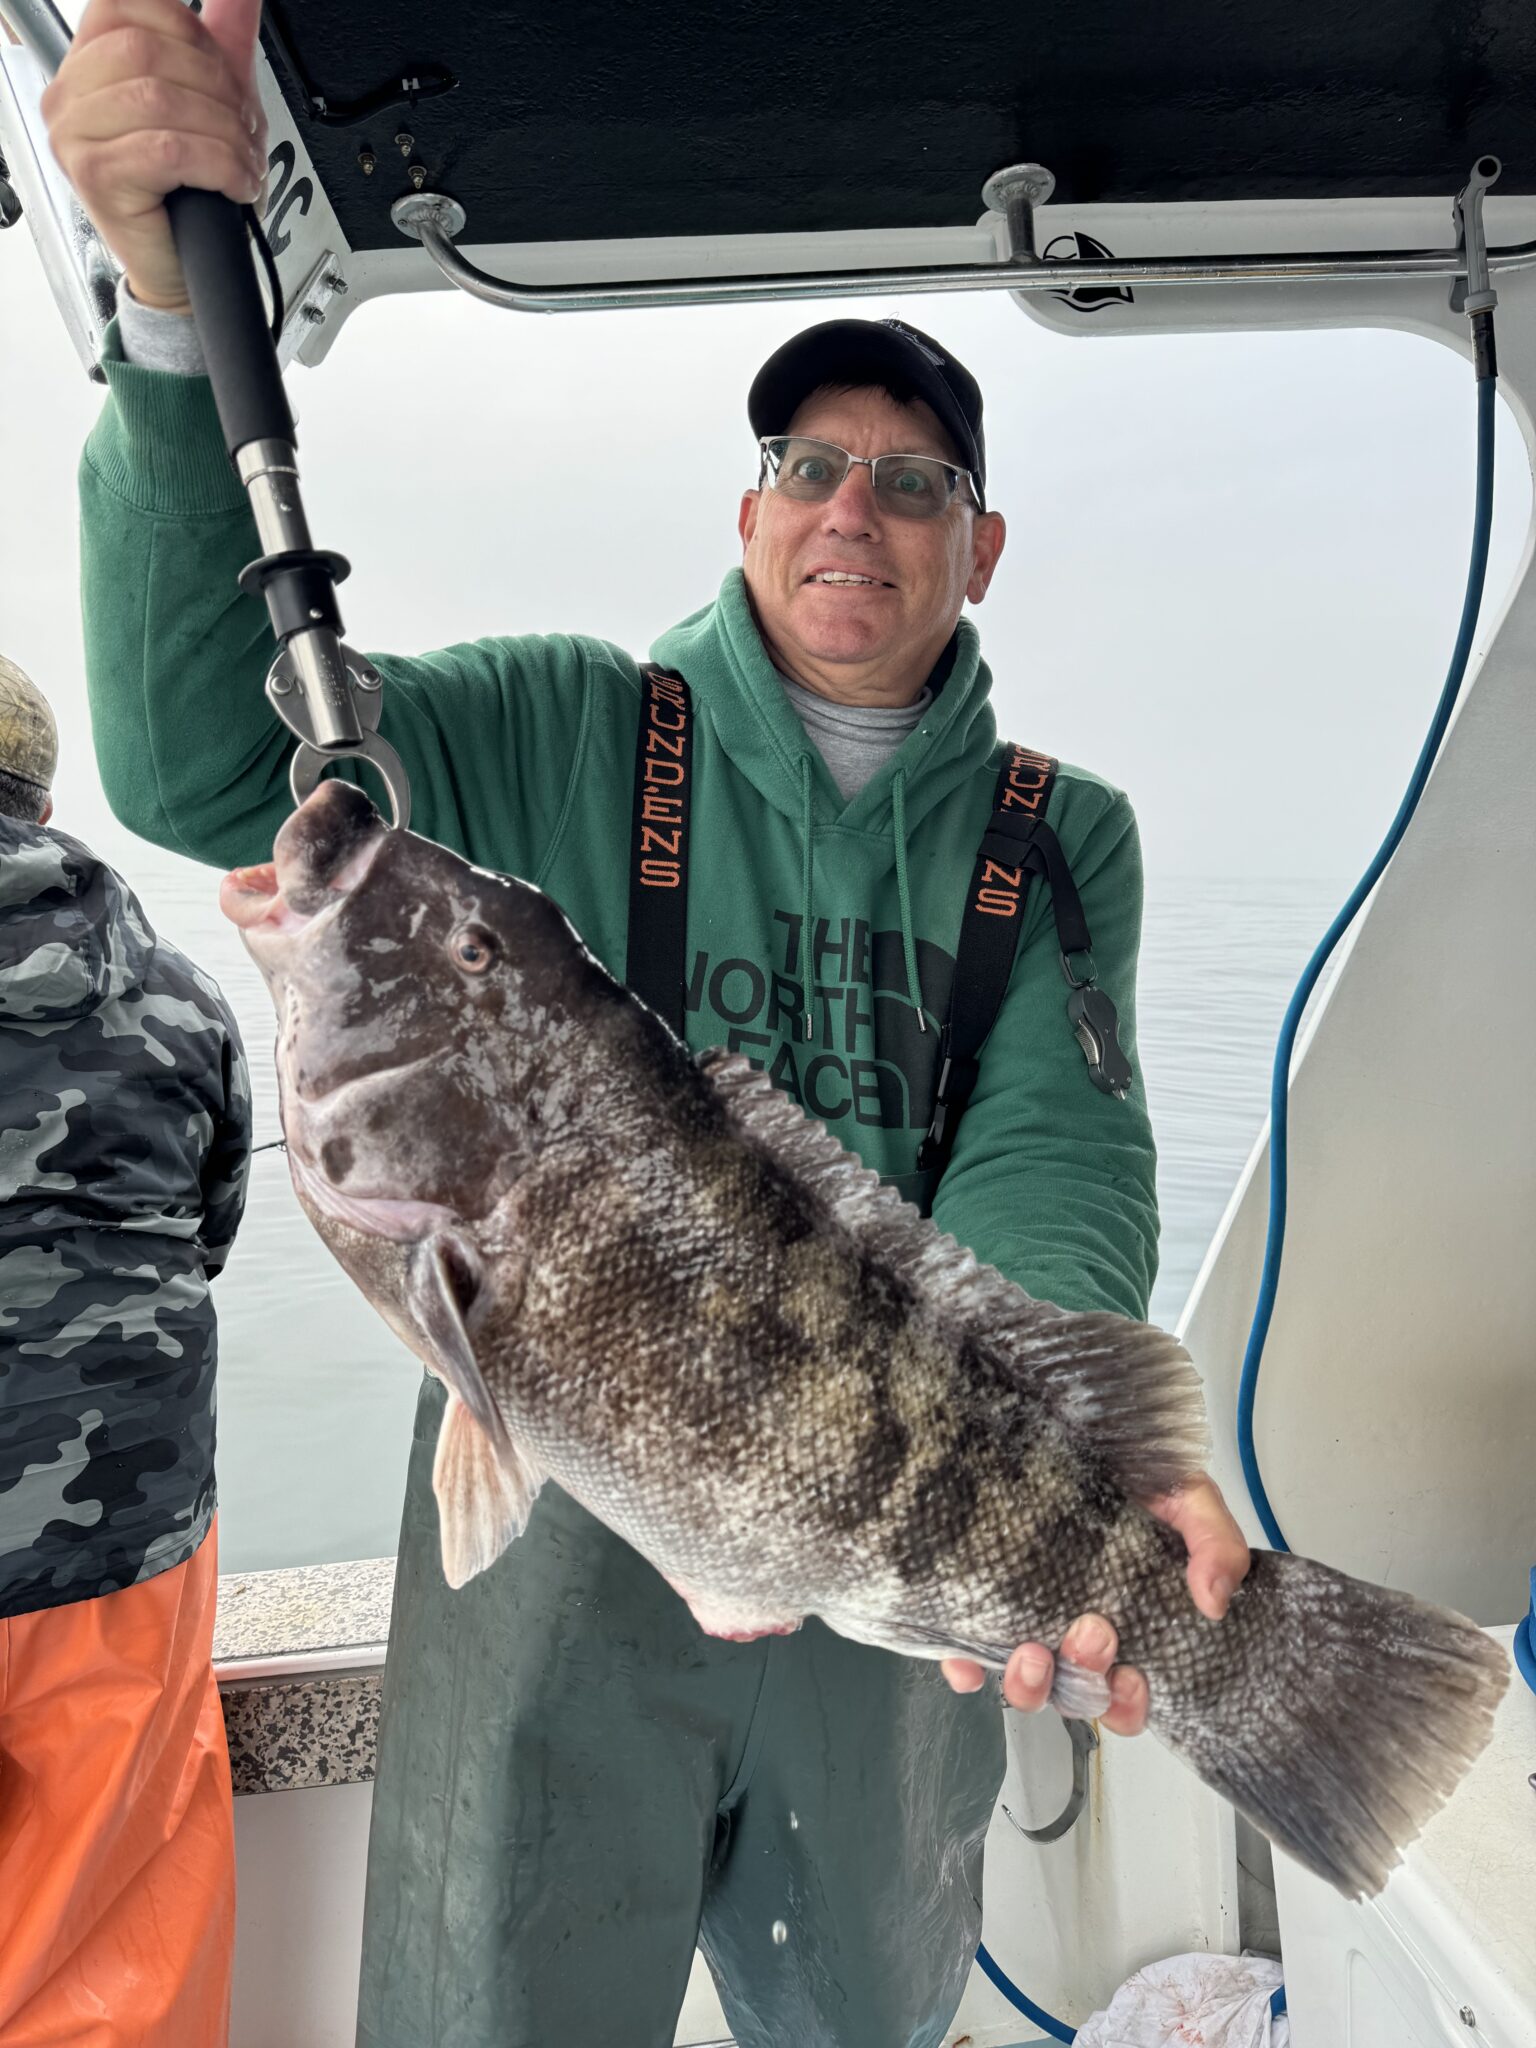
[72,935]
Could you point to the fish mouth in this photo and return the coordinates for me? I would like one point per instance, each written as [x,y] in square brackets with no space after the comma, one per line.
[320,856]
[251,896]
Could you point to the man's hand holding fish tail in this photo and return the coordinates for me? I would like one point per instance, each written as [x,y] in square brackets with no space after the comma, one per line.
[1218,1562]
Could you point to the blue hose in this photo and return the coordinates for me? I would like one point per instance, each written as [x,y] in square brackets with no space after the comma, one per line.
[1057,2029]
[1278,1098]
[1525,1640]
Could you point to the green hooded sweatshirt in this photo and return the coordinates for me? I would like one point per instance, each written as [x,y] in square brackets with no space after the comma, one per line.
[520,754]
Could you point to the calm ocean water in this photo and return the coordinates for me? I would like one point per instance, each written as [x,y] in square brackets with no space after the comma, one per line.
[316,1396]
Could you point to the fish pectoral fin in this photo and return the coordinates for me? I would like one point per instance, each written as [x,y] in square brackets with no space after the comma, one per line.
[484,1492]
[442,1280]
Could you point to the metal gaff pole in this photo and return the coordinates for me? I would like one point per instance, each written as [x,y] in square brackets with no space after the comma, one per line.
[323,691]
[297,581]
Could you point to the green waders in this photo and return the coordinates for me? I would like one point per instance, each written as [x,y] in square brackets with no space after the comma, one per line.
[576,1786]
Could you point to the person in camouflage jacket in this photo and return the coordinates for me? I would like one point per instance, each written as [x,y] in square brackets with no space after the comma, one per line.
[122,1176]
[123,1157]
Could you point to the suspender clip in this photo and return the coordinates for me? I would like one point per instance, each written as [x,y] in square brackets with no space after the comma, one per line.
[957,1077]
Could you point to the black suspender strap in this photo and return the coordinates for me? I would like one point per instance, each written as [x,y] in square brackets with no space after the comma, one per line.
[656,965]
[1016,845]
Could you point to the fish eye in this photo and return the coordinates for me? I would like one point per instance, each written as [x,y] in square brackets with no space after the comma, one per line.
[472,949]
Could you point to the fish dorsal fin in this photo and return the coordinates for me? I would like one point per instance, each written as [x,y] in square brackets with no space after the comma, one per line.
[1125,1388]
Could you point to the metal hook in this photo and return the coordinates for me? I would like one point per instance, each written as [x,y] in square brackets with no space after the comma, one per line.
[1085,1741]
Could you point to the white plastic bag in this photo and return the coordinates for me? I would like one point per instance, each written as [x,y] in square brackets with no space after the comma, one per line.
[1194,2001]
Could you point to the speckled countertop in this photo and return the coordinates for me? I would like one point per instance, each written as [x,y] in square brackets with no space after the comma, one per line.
[300,1654]
[308,1607]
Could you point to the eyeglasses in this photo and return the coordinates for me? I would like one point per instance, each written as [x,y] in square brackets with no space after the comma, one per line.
[908,486]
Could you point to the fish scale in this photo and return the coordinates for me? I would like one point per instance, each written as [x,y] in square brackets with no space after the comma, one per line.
[652,1279]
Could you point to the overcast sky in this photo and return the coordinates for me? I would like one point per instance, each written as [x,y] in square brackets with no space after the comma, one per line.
[1232,580]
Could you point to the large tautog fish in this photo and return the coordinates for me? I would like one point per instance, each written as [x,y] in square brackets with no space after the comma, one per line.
[651,1279]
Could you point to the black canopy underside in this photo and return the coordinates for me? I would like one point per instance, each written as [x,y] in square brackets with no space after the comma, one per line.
[594,122]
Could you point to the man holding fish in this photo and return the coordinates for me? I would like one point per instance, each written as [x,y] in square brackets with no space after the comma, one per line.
[575,1780]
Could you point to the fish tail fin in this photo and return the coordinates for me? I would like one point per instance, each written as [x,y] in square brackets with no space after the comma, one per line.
[1338,1715]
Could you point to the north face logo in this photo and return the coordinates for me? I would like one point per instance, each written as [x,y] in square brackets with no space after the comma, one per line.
[867,1054]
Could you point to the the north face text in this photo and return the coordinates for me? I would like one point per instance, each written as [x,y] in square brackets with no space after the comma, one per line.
[866,1055]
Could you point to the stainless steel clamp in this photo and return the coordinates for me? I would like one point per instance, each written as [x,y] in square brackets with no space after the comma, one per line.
[288,697]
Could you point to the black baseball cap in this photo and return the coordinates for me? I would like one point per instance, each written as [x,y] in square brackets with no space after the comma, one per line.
[859,352]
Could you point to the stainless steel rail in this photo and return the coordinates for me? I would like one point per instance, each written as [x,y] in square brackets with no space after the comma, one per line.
[45,32]
[435,221]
